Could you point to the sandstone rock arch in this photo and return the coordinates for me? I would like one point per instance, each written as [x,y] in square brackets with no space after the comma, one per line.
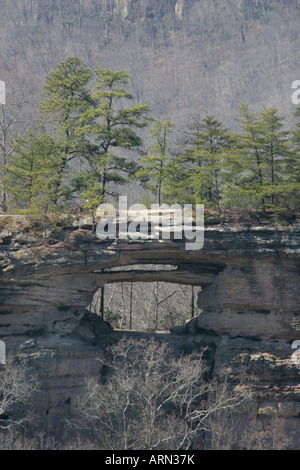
[250,278]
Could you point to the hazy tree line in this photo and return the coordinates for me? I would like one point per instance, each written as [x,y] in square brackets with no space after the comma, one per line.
[89,140]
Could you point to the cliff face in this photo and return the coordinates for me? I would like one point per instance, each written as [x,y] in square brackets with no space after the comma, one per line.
[250,303]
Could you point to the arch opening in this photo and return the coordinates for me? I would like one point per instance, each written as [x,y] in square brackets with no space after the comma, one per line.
[148,297]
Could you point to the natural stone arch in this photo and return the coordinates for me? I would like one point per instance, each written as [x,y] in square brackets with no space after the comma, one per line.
[246,273]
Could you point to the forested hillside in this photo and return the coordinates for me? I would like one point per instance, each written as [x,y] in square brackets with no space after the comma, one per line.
[183,56]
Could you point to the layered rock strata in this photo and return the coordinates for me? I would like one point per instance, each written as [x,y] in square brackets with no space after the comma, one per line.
[250,303]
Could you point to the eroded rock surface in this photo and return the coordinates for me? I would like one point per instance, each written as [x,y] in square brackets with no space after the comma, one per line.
[250,303]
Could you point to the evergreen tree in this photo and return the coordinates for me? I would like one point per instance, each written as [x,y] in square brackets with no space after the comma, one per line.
[66,96]
[199,170]
[208,152]
[156,162]
[32,171]
[247,160]
[264,156]
[111,127]
[275,149]
[293,168]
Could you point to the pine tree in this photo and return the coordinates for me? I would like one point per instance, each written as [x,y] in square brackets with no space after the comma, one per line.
[292,199]
[32,171]
[156,162]
[111,127]
[248,160]
[199,170]
[208,151]
[275,150]
[66,96]
[264,156]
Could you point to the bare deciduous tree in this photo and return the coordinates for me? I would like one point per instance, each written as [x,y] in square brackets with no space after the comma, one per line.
[12,123]
[153,400]
[266,434]
[17,387]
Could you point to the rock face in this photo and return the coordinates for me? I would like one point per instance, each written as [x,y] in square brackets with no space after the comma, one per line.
[250,303]
[257,294]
